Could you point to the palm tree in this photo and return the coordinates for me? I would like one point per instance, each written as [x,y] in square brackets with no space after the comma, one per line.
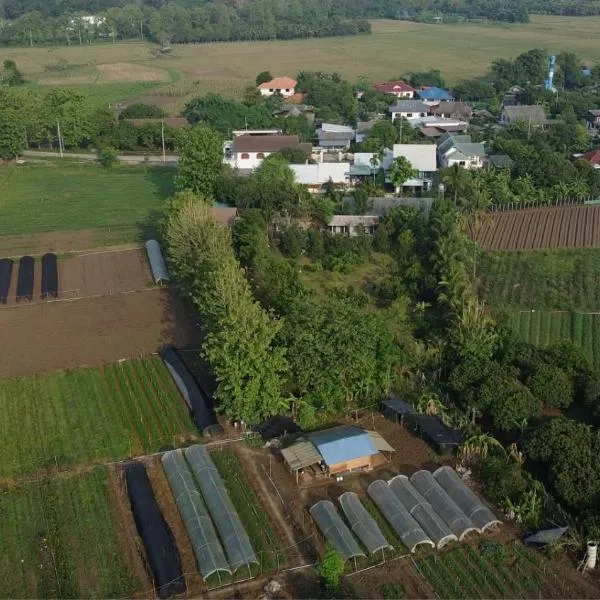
[478,447]
[430,404]
[456,180]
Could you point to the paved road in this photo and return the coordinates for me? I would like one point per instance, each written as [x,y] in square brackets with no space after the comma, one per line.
[125,159]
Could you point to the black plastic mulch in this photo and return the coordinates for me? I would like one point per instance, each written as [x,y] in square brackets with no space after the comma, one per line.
[6,268]
[25,279]
[49,276]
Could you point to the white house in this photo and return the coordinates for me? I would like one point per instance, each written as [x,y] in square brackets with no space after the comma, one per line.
[400,89]
[315,176]
[286,86]
[409,109]
[247,152]
[423,158]
[460,150]
[352,225]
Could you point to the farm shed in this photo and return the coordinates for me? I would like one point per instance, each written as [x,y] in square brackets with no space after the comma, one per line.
[49,276]
[363,525]
[157,262]
[458,523]
[444,439]
[335,530]
[396,409]
[198,524]
[25,278]
[236,542]
[6,268]
[422,511]
[338,450]
[200,406]
[397,515]
[163,556]
[276,427]
[481,516]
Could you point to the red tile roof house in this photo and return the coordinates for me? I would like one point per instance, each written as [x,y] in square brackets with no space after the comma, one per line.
[592,157]
[400,89]
[286,86]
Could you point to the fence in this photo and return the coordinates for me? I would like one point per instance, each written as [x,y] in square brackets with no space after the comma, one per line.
[577,201]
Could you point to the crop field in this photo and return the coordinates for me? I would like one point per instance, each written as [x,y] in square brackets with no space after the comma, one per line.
[539,228]
[542,280]
[522,573]
[65,419]
[124,201]
[262,535]
[60,540]
[229,67]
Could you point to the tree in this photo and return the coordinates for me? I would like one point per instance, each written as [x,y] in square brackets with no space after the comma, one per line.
[12,134]
[331,568]
[456,181]
[382,135]
[552,385]
[142,111]
[400,171]
[200,160]
[426,78]
[11,76]
[263,77]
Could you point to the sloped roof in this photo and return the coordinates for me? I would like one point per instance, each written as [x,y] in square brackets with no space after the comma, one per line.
[301,454]
[278,83]
[334,127]
[470,149]
[592,157]
[353,220]
[225,215]
[398,406]
[379,442]
[422,157]
[452,108]
[391,87]
[342,444]
[434,93]
[320,173]
[409,106]
[529,112]
[500,161]
[267,143]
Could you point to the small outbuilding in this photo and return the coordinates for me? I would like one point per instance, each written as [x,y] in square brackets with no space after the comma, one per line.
[157,262]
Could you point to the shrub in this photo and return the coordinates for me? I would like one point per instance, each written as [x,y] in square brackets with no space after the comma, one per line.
[330,568]
[551,385]
[502,479]
[108,156]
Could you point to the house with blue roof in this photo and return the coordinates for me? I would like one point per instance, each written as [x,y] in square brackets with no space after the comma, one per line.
[433,95]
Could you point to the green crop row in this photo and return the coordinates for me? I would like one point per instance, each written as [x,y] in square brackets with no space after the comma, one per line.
[60,420]
[59,540]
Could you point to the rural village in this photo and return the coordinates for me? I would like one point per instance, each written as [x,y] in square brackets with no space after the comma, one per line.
[307,334]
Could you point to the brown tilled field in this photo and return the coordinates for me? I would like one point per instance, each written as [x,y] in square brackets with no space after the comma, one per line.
[538,228]
[90,331]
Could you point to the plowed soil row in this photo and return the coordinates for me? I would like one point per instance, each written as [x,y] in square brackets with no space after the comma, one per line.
[538,228]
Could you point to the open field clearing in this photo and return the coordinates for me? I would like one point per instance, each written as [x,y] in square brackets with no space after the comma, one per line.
[62,197]
[60,539]
[394,48]
[545,280]
[64,419]
[540,228]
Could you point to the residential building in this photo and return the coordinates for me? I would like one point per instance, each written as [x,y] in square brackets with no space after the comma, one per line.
[248,151]
[409,109]
[592,157]
[422,157]
[225,215]
[452,110]
[335,137]
[296,110]
[316,175]
[500,161]
[285,86]
[400,89]
[433,95]
[460,150]
[593,119]
[531,114]
[353,225]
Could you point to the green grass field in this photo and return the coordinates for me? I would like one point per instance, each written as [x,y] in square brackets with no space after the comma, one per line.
[542,280]
[66,419]
[66,196]
[59,540]
[394,48]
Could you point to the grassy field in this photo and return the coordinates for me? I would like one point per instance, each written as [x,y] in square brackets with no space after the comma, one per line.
[66,196]
[394,48]
[59,540]
[542,280]
[66,419]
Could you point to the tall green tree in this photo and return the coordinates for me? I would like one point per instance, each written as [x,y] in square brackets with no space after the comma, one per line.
[200,160]
[400,171]
[12,134]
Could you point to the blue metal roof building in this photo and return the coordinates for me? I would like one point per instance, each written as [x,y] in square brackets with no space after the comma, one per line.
[343,444]
[435,94]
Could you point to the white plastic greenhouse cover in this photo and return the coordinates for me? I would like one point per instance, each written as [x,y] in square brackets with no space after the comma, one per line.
[397,515]
[422,511]
[466,499]
[157,262]
[335,530]
[459,524]
[231,531]
[205,542]
[363,525]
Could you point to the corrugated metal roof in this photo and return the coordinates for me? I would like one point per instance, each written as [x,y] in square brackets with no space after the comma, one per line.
[342,444]
[422,157]
[379,442]
[399,406]
[301,454]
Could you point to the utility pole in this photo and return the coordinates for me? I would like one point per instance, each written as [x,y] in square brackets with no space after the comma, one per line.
[60,146]
[162,133]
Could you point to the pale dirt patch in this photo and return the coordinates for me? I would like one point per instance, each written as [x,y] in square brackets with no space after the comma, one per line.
[122,71]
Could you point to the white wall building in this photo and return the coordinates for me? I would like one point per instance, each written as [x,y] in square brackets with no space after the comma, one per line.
[286,86]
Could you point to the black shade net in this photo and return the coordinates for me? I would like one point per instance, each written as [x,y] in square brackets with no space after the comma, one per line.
[49,276]
[163,556]
[6,268]
[25,279]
